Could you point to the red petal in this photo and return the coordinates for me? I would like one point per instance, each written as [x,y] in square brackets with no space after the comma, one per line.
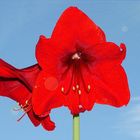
[72,26]
[24,76]
[49,56]
[34,119]
[48,124]
[107,51]
[30,74]
[17,92]
[71,98]
[10,85]
[104,53]
[45,94]
[110,84]
[13,87]
[87,98]
[43,51]
[48,93]
[15,83]
[7,70]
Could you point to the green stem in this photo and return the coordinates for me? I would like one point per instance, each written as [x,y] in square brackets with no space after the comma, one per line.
[76,127]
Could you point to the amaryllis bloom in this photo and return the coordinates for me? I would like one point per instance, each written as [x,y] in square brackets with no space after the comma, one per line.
[17,85]
[79,67]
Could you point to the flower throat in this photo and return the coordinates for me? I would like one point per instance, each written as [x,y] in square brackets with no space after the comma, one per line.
[75,62]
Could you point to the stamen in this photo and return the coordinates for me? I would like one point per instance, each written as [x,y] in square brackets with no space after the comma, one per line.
[70,84]
[62,89]
[26,111]
[27,102]
[26,108]
[79,92]
[73,88]
[77,86]
[89,88]
[17,108]
[21,117]
[80,106]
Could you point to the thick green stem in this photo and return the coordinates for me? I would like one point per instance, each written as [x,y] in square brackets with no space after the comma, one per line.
[76,127]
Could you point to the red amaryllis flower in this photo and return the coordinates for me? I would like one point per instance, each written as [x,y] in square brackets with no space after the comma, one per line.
[79,67]
[17,85]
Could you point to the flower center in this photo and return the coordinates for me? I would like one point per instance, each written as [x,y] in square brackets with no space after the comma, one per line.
[76,56]
[76,62]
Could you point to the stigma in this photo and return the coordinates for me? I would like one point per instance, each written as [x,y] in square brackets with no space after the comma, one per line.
[76,56]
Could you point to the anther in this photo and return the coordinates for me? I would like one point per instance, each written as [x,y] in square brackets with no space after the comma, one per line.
[89,88]
[73,88]
[62,89]
[80,106]
[79,92]
[26,102]
[77,86]
[35,86]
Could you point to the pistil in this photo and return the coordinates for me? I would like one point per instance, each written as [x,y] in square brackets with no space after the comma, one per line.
[76,56]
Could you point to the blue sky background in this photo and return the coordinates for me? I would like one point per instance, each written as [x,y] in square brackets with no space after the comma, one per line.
[21,23]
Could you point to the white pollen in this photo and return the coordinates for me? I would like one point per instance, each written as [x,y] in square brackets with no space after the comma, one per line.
[62,89]
[89,87]
[77,86]
[26,102]
[73,88]
[79,92]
